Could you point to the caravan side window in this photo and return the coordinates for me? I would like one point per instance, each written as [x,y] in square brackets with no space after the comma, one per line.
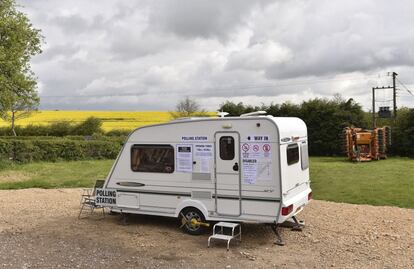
[292,153]
[152,158]
[226,148]
[304,155]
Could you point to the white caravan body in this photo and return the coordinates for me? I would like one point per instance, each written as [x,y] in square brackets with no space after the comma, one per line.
[243,169]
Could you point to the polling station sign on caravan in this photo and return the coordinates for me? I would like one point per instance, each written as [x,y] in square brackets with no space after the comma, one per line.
[105,197]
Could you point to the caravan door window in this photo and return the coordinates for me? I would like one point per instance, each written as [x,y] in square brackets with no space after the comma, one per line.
[226,148]
[292,153]
[152,158]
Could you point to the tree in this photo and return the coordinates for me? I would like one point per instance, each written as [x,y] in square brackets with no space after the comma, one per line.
[21,107]
[326,119]
[188,108]
[286,109]
[90,126]
[232,108]
[19,41]
[237,109]
[403,133]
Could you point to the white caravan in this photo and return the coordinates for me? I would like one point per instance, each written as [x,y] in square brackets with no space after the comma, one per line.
[251,168]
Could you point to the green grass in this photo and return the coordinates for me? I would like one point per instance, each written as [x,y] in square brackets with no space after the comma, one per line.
[386,182]
[53,175]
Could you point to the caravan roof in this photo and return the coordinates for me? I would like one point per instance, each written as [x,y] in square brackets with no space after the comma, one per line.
[287,127]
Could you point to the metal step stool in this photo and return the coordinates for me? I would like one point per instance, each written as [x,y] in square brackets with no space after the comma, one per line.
[218,232]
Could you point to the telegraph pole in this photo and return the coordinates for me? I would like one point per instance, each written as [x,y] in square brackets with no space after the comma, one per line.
[374,123]
[394,76]
[394,99]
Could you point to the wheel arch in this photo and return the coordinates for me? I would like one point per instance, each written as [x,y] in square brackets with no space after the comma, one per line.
[192,203]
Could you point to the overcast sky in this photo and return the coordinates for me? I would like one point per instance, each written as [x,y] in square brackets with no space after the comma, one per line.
[146,55]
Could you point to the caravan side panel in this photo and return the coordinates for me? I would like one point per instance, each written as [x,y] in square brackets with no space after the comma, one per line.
[167,193]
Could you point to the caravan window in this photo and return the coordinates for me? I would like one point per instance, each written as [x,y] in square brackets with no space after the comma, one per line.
[226,148]
[292,153]
[152,158]
[304,155]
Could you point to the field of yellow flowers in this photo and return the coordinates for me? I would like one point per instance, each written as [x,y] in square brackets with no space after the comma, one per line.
[110,119]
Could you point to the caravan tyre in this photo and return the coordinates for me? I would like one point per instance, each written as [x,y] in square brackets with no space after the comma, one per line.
[190,218]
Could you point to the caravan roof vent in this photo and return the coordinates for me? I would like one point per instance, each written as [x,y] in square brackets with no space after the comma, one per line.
[222,114]
[255,113]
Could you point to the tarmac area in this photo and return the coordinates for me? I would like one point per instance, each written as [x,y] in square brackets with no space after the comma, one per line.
[40,228]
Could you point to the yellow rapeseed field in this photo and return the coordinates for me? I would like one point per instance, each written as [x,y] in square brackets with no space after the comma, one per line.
[110,119]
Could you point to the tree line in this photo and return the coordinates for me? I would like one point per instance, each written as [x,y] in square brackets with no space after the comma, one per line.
[326,118]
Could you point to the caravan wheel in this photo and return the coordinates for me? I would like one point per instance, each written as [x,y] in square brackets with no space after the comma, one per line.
[191,219]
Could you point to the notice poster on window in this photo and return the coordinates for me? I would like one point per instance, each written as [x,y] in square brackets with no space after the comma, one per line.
[203,153]
[249,171]
[184,158]
[203,150]
[264,170]
[257,162]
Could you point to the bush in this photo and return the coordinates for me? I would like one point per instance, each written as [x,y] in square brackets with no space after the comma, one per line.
[90,126]
[118,132]
[403,133]
[62,128]
[28,150]
[6,149]
[54,129]
[42,137]
[34,130]
[5,131]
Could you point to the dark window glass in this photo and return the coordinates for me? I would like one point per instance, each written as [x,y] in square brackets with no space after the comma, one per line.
[227,148]
[292,153]
[152,158]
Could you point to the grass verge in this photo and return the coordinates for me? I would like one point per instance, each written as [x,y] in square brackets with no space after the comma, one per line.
[386,182]
[48,175]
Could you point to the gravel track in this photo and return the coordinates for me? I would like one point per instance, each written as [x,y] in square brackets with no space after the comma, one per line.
[39,229]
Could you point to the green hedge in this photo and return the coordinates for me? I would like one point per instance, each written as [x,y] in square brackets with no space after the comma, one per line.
[72,137]
[57,149]
[90,126]
[119,139]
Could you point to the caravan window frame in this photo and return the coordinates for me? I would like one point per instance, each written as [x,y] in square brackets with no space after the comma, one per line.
[292,153]
[167,168]
[226,155]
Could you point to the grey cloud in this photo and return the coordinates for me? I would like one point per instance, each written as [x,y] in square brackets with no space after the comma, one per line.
[73,24]
[128,47]
[148,54]
[259,56]
[339,37]
[202,18]
[57,51]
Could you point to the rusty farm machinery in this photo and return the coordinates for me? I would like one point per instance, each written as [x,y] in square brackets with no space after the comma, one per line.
[363,145]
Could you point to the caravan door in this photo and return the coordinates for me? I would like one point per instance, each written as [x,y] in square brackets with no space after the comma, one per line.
[228,184]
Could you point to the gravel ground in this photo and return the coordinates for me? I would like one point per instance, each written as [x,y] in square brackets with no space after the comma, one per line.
[39,229]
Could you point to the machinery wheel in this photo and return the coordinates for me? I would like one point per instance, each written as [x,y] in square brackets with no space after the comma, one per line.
[190,219]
